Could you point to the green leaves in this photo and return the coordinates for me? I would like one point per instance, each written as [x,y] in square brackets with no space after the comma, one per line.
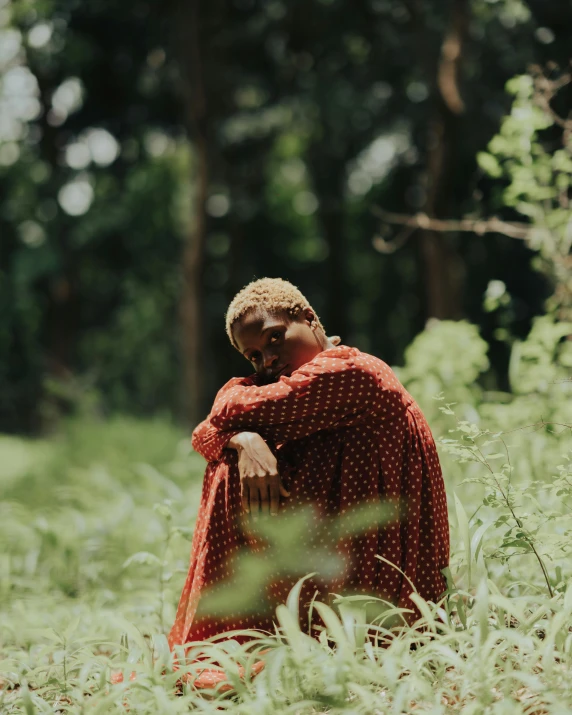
[537,176]
[496,620]
[463,527]
[489,164]
[142,558]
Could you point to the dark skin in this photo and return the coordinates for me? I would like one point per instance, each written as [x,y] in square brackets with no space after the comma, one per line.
[276,344]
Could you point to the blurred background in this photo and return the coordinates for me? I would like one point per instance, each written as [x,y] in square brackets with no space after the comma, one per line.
[406,163]
[155,156]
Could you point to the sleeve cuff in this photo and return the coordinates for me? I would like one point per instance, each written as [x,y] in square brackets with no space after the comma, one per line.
[210,442]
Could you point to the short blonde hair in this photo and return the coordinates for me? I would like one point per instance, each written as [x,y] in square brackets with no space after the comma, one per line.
[271,295]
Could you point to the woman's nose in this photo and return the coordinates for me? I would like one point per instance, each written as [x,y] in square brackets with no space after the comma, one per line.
[270,359]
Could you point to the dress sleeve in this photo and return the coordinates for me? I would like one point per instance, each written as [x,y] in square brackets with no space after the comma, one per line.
[208,440]
[328,392]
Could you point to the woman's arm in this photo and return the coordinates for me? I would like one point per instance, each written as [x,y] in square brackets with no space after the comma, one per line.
[209,441]
[260,483]
[328,392]
[331,391]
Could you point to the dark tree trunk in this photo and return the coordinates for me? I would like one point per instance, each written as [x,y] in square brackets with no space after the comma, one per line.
[61,288]
[328,176]
[332,221]
[192,296]
[442,264]
[62,320]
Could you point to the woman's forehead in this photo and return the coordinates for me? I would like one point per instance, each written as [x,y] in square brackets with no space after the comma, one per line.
[261,317]
[254,324]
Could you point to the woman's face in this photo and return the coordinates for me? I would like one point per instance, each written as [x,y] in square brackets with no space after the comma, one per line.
[277,344]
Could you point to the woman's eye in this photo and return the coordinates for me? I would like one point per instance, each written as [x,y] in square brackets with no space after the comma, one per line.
[276,335]
[254,357]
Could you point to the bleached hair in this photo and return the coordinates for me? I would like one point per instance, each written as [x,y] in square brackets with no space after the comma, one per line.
[268,295]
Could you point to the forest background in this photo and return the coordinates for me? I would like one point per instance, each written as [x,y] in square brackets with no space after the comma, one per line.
[407,164]
[157,156]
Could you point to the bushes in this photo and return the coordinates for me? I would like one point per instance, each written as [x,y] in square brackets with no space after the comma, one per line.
[94,533]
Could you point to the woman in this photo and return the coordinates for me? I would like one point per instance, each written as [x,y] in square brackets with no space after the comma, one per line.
[320,429]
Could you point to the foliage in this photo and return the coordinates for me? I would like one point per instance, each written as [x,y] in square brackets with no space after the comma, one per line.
[433,367]
[317,110]
[91,217]
[533,153]
[501,439]
[94,532]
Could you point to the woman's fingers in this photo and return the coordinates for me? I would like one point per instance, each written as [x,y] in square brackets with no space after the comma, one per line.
[254,499]
[260,491]
[263,491]
[244,495]
[275,487]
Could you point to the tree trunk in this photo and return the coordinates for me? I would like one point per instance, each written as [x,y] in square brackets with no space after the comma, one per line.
[62,319]
[332,221]
[191,305]
[442,265]
[328,175]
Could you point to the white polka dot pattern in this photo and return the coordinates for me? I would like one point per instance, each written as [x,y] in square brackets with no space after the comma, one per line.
[346,433]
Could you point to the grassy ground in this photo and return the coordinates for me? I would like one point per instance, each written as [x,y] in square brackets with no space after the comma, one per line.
[94,543]
[75,605]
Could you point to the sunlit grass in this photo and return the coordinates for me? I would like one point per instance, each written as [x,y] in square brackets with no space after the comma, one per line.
[95,529]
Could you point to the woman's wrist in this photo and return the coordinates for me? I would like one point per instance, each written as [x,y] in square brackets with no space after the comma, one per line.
[241,440]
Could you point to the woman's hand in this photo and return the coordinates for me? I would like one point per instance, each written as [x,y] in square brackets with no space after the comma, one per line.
[260,484]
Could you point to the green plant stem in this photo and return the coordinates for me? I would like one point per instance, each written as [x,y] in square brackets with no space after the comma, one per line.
[519,523]
[161,580]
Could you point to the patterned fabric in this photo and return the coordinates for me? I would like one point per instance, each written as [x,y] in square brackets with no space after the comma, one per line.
[346,434]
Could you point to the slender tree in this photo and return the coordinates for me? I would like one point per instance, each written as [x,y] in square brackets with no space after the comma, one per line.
[442,264]
[190,46]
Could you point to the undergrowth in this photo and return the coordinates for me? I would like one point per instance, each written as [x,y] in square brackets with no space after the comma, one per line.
[95,527]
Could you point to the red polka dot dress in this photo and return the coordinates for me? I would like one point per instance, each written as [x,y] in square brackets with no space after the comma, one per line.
[347,436]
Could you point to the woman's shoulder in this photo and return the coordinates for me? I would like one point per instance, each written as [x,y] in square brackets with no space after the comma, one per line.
[345,357]
[233,384]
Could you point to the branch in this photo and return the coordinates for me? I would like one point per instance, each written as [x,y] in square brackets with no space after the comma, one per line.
[422,221]
[545,90]
[451,58]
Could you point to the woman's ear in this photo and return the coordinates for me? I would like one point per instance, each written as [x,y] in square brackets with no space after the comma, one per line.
[309,317]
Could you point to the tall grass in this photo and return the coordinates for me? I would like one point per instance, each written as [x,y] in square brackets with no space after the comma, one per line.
[94,533]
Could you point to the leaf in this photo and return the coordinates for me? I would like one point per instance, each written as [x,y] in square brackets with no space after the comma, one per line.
[489,164]
[517,544]
[291,631]
[463,526]
[476,539]
[71,628]
[27,700]
[163,510]
[48,633]
[423,606]
[143,558]
[353,616]
[136,637]
[186,532]
[293,600]
[161,648]
[481,610]
[335,629]
[568,597]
